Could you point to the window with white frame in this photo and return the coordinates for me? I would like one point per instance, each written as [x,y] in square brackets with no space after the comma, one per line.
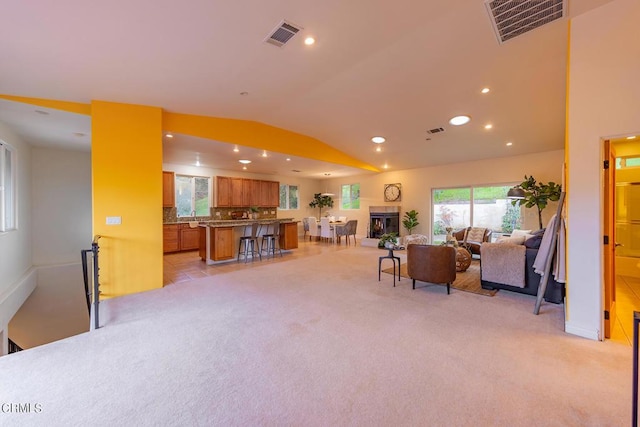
[8,207]
[192,196]
[288,196]
[350,196]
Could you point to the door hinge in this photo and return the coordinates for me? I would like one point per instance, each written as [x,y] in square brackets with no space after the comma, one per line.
[605,240]
[606,315]
[605,164]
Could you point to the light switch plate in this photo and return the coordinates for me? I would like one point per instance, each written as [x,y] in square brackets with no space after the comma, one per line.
[114,220]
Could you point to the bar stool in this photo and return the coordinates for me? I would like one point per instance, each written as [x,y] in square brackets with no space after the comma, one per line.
[249,243]
[272,239]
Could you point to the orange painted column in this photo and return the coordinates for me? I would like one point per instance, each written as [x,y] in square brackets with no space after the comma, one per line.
[126,161]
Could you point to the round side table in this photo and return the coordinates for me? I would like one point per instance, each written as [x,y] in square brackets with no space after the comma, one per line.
[463,259]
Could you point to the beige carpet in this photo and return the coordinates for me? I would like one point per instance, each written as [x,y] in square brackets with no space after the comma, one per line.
[468,281]
[318,341]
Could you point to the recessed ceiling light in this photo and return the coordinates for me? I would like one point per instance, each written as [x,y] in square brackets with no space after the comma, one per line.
[264,153]
[378,149]
[386,166]
[631,137]
[460,120]
[509,144]
[378,139]
[236,149]
[244,93]
[44,113]
[197,162]
[485,90]
[169,135]
[244,162]
[288,159]
[488,126]
[309,41]
[244,168]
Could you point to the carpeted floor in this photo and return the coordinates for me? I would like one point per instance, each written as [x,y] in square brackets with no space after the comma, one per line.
[318,341]
[468,281]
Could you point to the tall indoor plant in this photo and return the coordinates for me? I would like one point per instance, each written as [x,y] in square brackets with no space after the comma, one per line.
[321,201]
[410,220]
[536,194]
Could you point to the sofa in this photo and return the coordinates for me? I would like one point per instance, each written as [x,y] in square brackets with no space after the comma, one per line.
[508,265]
[472,237]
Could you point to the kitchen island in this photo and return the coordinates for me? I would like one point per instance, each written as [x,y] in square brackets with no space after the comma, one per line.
[219,240]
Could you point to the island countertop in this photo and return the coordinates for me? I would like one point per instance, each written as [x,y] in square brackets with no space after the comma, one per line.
[242,222]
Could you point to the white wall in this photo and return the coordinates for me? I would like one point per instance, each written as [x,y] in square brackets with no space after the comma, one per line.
[61,189]
[604,101]
[17,280]
[418,183]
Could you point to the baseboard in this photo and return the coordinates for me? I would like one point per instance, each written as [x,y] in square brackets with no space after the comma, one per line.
[582,332]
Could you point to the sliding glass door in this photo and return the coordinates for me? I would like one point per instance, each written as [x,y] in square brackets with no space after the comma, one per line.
[485,206]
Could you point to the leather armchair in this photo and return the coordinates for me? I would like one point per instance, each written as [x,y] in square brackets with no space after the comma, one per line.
[432,264]
[472,246]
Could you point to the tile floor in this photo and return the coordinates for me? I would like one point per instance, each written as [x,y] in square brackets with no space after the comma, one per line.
[627,301]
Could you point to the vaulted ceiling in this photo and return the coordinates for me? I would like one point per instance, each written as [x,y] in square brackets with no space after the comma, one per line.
[378,68]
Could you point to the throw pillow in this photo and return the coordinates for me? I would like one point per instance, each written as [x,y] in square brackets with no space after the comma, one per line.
[475,234]
[534,242]
[513,240]
[516,233]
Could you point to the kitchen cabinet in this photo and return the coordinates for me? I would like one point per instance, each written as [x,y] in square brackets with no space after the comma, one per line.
[170,238]
[223,191]
[189,238]
[242,192]
[289,235]
[222,243]
[236,189]
[168,189]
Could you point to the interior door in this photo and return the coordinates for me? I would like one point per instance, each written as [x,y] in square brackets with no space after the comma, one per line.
[609,239]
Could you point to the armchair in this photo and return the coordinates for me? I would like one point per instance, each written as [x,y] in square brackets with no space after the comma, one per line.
[472,237]
[432,264]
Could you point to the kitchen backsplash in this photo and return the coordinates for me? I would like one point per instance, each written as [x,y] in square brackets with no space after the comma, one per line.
[171,214]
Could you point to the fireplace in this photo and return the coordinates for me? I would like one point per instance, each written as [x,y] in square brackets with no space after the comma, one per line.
[383,219]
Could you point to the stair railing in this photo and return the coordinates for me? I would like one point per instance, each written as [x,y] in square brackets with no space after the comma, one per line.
[92,292]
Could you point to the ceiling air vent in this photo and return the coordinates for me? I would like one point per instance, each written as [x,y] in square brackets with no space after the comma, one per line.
[282,33]
[510,18]
[435,130]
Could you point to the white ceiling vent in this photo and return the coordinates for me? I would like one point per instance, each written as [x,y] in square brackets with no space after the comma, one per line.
[282,33]
[510,18]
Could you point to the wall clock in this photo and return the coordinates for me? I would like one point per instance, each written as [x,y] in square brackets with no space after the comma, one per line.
[392,192]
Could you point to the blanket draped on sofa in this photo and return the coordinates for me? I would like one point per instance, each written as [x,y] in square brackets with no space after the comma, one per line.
[507,264]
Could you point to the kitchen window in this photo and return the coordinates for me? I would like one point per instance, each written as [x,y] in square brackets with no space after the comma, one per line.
[8,206]
[192,196]
[350,196]
[288,196]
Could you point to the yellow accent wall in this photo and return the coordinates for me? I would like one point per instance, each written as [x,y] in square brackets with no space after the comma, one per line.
[259,135]
[126,160]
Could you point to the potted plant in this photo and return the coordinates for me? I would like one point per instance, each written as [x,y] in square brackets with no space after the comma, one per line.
[388,239]
[410,220]
[536,194]
[321,201]
[254,212]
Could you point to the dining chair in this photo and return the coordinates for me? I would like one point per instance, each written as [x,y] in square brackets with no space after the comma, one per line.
[305,227]
[314,228]
[348,229]
[326,230]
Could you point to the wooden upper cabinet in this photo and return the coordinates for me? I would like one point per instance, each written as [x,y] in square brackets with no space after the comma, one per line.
[274,194]
[168,189]
[250,192]
[236,192]
[223,193]
[265,188]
